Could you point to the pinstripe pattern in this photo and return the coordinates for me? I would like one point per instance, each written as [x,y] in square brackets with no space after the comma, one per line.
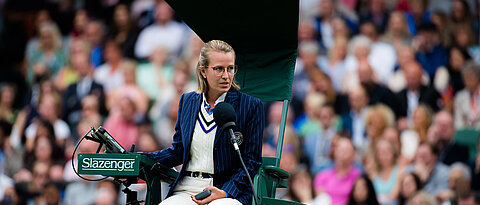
[229,175]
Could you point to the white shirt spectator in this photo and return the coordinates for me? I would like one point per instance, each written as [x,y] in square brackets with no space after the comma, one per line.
[109,80]
[171,36]
[60,127]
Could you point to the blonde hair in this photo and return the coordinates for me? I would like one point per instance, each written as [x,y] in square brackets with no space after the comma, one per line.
[54,31]
[204,60]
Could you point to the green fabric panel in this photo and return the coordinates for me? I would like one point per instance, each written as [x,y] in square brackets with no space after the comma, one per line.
[268,76]
[264,34]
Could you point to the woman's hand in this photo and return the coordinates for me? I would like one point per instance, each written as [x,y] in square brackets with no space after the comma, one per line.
[216,194]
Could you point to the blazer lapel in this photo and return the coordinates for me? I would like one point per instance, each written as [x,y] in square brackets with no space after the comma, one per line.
[191,115]
[232,99]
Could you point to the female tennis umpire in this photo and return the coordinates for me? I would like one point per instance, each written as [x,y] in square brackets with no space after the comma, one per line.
[208,157]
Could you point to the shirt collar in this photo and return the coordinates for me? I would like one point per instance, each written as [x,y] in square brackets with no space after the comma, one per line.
[207,106]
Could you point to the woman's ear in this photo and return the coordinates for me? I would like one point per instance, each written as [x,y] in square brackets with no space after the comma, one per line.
[203,73]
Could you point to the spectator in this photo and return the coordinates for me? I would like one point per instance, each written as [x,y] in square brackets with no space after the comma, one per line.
[123,30]
[129,89]
[448,81]
[467,101]
[353,122]
[165,31]
[29,191]
[164,112]
[8,110]
[338,181]
[94,34]
[122,125]
[422,198]
[430,54]
[317,145]
[80,21]
[328,10]
[49,109]
[378,118]
[432,173]
[309,122]
[382,56]
[459,183]
[409,185]
[363,192]
[415,92]
[443,130]
[109,74]
[405,56]
[417,131]
[301,188]
[386,174]
[397,33]
[444,26]
[48,51]
[306,66]
[73,95]
[469,198]
[377,14]
[464,37]
[334,64]
[155,76]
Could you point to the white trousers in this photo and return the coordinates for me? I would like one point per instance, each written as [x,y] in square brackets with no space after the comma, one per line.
[190,186]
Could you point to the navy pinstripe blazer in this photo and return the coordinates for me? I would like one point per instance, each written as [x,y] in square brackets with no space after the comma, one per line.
[229,174]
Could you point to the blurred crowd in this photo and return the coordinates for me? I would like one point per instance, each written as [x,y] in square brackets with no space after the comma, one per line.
[385,105]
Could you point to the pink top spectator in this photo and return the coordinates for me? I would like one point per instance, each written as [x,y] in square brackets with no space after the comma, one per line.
[336,186]
[126,133]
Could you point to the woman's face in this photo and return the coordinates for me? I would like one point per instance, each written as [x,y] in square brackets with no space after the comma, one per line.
[360,191]
[419,118]
[456,59]
[384,153]
[218,85]
[408,186]
[396,23]
[43,150]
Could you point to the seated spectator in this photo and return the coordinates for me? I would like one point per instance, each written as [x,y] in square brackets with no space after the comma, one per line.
[300,188]
[122,125]
[459,183]
[72,97]
[306,67]
[109,74]
[397,33]
[124,30]
[382,56]
[432,173]
[423,198]
[443,132]
[45,148]
[129,89]
[430,54]
[94,33]
[69,74]
[397,81]
[387,172]
[363,192]
[469,198]
[12,160]
[165,31]
[317,145]
[378,118]
[353,122]
[155,76]
[338,181]
[49,110]
[416,132]
[409,185]
[334,63]
[48,51]
[30,191]
[467,100]
[415,92]
[309,122]
[8,110]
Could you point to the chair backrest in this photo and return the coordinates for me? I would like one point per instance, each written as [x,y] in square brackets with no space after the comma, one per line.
[469,138]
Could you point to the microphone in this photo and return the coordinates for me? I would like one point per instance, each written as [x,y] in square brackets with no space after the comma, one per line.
[224,116]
